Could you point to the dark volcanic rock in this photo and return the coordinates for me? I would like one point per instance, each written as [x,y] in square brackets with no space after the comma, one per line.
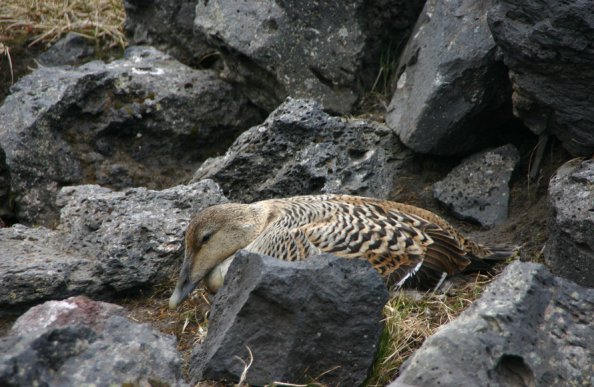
[298,319]
[327,50]
[6,207]
[452,88]
[70,50]
[35,266]
[107,242]
[169,26]
[547,45]
[478,188]
[144,120]
[570,248]
[81,342]
[60,314]
[300,149]
[528,329]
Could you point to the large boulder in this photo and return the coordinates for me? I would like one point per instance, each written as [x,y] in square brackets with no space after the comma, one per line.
[107,242]
[478,188]
[547,45]
[452,89]
[314,320]
[300,149]
[168,25]
[528,329]
[570,247]
[79,342]
[328,50]
[145,120]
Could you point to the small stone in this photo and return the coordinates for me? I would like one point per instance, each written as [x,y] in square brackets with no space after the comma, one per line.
[478,189]
[72,49]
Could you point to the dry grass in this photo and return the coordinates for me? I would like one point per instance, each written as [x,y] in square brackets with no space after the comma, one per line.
[411,317]
[45,21]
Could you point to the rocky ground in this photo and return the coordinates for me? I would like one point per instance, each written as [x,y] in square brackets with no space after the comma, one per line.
[102,164]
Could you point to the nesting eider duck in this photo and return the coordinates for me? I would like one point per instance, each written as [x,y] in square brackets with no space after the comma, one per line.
[405,244]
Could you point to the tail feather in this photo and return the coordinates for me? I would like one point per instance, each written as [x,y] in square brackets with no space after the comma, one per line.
[498,254]
[430,274]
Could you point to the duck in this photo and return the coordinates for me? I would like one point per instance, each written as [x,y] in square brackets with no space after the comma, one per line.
[407,245]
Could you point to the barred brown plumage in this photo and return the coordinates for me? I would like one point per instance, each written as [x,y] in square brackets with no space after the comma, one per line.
[403,243]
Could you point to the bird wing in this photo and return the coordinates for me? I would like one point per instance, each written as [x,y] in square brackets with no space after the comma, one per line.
[396,242]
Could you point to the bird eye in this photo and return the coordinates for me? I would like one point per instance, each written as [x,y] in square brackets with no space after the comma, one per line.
[205,238]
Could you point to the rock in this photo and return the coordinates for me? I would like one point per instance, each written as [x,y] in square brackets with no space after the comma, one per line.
[168,25]
[145,120]
[452,87]
[6,207]
[34,267]
[59,314]
[570,247]
[72,49]
[82,342]
[300,149]
[547,46]
[528,329]
[298,327]
[478,188]
[329,51]
[137,234]
[108,242]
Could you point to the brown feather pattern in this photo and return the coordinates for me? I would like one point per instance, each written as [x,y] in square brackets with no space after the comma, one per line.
[397,239]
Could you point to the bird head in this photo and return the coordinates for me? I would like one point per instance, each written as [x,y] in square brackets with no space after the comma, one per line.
[212,236]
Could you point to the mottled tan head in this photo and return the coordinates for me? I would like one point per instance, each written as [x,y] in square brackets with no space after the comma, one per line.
[211,237]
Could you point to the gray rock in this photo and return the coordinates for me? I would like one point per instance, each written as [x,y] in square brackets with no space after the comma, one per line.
[570,248]
[107,242]
[300,149]
[81,342]
[329,50]
[452,88]
[135,235]
[59,314]
[528,329]
[296,326]
[70,50]
[478,188]
[547,45]
[168,25]
[34,266]
[6,207]
[145,120]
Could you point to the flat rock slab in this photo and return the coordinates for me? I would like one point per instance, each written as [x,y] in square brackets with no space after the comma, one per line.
[528,329]
[547,45]
[452,89]
[144,120]
[314,320]
[570,248]
[82,342]
[107,242]
[478,189]
[300,150]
